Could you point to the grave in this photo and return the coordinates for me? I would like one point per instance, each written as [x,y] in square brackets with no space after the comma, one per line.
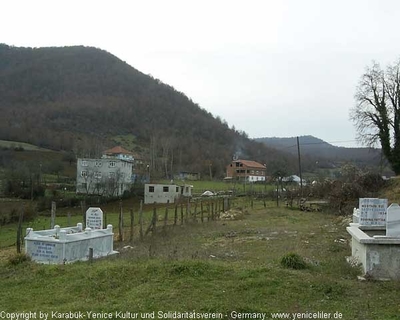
[376,238]
[66,245]
[94,218]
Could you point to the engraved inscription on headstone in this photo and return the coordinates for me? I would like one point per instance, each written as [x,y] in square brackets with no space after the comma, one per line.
[44,250]
[94,218]
[372,211]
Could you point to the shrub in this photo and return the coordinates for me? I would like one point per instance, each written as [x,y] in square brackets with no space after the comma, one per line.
[293,261]
[19,258]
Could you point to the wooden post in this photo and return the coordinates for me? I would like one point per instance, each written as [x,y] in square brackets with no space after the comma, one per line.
[121,222]
[153,223]
[251,201]
[141,220]
[176,214]
[90,255]
[53,215]
[166,216]
[132,225]
[195,212]
[187,211]
[69,219]
[19,229]
[201,212]
[83,205]
[208,211]
[181,213]
[212,210]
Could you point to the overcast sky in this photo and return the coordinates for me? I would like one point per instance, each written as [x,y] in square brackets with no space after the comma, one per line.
[270,68]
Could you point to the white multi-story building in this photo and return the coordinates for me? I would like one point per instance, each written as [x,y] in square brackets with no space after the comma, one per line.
[107,176]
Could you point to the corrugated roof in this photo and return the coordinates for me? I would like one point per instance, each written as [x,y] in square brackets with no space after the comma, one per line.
[117,150]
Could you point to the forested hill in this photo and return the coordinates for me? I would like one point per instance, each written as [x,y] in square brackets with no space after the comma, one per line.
[321,150]
[78,98]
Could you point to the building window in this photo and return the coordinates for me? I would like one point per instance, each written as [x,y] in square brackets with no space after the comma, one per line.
[84,185]
[84,173]
[97,175]
[98,163]
[177,189]
[187,190]
[111,175]
[112,164]
[84,163]
[165,189]
[151,188]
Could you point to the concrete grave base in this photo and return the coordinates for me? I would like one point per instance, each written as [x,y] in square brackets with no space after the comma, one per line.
[378,254]
[66,245]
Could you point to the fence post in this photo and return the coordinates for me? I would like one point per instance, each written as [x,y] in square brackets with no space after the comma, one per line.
[83,207]
[195,212]
[181,213]
[166,216]
[69,219]
[121,222]
[19,229]
[132,224]
[176,214]
[201,212]
[152,225]
[141,220]
[90,255]
[187,211]
[53,215]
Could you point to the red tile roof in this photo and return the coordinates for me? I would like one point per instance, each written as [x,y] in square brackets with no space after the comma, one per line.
[117,150]
[252,164]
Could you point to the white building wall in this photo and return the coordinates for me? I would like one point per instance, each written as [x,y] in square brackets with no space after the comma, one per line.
[256,178]
[103,176]
[160,193]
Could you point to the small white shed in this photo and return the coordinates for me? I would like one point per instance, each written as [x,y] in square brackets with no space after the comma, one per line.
[162,193]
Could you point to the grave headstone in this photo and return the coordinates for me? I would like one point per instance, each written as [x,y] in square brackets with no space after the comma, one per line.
[393,221]
[94,218]
[372,212]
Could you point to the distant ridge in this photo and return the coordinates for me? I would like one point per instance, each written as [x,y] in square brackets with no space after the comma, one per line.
[321,150]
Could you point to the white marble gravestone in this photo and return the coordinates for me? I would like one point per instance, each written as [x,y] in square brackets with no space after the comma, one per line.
[393,221]
[372,212]
[94,218]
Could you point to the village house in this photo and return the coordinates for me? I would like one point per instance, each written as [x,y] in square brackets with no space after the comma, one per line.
[246,170]
[110,175]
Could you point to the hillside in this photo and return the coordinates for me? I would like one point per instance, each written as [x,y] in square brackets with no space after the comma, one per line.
[325,153]
[79,98]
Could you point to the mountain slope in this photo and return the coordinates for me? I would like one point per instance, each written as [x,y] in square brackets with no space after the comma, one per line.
[321,150]
[78,98]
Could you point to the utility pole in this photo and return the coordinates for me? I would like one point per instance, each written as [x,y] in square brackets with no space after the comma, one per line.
[301,177]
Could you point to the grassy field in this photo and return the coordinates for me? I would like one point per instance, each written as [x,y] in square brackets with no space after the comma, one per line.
[16,144]
[215,266]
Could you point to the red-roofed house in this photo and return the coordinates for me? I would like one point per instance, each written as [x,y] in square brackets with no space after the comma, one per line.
[118,153]
[247,170]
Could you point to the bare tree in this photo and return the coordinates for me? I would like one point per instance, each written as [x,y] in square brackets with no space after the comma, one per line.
[377,112]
